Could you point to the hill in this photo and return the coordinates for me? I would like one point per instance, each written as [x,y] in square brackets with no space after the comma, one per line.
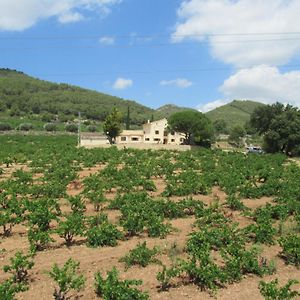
[22,95]
[169,109]
[234,113]
[31,99]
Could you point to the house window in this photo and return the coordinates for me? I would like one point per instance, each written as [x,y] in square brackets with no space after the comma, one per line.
[156,131]
[173,140]
[123,138]
[172,132]
[147,139]
[156,140]
[134,139]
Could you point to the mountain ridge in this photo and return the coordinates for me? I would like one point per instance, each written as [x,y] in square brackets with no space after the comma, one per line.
[22,94]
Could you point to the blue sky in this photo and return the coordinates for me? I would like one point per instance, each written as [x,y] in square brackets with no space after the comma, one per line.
[194,53]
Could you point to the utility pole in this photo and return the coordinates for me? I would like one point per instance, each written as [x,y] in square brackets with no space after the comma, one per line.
[79,128]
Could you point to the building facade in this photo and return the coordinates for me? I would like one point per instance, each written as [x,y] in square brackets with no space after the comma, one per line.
[155,132]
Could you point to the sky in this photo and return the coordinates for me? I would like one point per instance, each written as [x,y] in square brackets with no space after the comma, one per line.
[192,53]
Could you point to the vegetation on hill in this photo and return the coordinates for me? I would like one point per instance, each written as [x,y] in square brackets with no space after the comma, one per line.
[22,95]
[169,109]
[234,113]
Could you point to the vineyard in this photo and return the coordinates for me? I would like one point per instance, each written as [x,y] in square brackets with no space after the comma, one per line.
[131,224]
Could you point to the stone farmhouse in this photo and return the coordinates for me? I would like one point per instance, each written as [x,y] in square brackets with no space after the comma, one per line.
[152,133]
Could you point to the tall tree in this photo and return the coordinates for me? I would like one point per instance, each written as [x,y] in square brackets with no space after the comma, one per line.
[112,125]
[280,127]
[236,135]
[128,119]
[220,126]
[195,125]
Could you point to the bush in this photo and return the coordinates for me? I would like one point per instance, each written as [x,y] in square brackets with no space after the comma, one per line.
[25,127]
[271,291]
[5,127]
[291,249]
[71,128]
[8,289]
[112,288]
[165,276]
[141,255]
[105,234]
[91,128]
[38,239]
[20,264]
[66,278]
[235,203]
[50,127]
[73,225]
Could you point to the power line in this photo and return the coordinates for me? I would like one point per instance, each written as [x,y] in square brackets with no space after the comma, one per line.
[189,70]
[44,37]
[131,45]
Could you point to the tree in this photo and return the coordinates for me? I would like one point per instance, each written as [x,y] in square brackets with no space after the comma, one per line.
[220,126]
[236,135]
[128,119]
[112,125]
[280,127]
[195,125]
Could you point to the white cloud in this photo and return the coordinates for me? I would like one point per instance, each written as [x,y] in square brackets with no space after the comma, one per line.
[263,83]
[203,19]
[122,83]
[179,82]
[211,105]
[107,40]
[17,15]
[70,17]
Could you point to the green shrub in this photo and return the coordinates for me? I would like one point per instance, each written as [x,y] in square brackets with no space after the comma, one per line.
[20,264]
[235,203]
[77,204]
[50,127]
[112,288]
[262,232]
[271,290]
[25,127]
[141,255]
[38,239]
[91,128]
[97,199]
[105,234]
[291,249]
[72,226]
[11,213]
[8,289]
[71,128]
[66,279]
[164,277]
[5,127]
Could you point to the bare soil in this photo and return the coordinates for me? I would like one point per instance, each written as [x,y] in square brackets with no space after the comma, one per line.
[91,260]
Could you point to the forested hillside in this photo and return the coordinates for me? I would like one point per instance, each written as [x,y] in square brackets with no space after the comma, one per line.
[234,113]
[22,95]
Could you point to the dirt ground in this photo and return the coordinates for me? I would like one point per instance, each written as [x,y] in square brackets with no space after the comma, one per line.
[91,260]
